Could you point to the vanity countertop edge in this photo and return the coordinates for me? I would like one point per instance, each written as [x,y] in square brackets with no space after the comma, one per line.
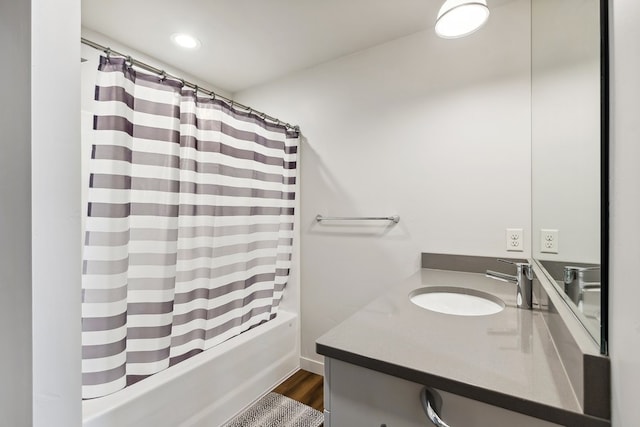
[507,359]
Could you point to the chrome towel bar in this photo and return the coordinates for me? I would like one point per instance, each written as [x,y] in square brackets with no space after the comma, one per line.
[394,218]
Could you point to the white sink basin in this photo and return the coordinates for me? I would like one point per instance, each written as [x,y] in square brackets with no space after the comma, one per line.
[456,301]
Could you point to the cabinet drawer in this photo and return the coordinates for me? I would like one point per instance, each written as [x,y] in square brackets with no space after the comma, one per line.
[360,397]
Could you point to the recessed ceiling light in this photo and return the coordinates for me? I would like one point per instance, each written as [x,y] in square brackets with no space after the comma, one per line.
[185,40]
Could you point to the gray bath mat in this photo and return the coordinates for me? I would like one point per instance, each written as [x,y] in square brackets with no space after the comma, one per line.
[276,410]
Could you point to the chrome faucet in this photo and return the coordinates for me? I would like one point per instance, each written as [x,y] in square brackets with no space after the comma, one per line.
[523,281]
[575,284]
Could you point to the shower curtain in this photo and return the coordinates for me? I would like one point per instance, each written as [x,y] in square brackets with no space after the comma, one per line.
[189,226]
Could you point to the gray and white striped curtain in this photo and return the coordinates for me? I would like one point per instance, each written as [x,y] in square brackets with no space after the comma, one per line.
[189,229]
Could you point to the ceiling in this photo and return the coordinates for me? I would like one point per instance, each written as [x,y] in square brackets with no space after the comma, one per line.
[249,42]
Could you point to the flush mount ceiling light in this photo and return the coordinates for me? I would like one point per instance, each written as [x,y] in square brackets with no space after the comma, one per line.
[459,18]
[185,40]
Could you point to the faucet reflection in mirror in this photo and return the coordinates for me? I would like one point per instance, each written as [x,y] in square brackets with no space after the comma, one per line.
[582,285]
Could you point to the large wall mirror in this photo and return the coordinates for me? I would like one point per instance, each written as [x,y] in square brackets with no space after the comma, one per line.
[569,148]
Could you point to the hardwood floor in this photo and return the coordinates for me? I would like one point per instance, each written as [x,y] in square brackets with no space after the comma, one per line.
[304,387]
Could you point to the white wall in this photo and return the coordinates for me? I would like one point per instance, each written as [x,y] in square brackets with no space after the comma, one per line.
[437,131]
[55,198]
[624,290]
[40,215]
[15,221]
[39,222]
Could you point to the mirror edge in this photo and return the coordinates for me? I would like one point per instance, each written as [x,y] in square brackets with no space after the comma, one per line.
[604,175]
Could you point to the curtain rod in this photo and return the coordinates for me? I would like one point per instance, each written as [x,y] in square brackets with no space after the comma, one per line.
[233,104]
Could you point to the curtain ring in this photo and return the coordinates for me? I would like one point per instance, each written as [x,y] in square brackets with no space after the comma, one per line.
[213,96]
[108,52]
[163,76]
[195,91]
[250,111]
[182,81]
[232,104]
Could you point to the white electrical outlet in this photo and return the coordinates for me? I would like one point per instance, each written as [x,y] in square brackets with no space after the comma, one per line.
[515,240]
[549,241]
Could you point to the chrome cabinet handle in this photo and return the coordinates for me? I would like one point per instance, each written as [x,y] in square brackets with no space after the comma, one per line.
[431,403]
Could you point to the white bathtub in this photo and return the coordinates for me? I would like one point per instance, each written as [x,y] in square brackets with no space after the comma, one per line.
[209,388]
